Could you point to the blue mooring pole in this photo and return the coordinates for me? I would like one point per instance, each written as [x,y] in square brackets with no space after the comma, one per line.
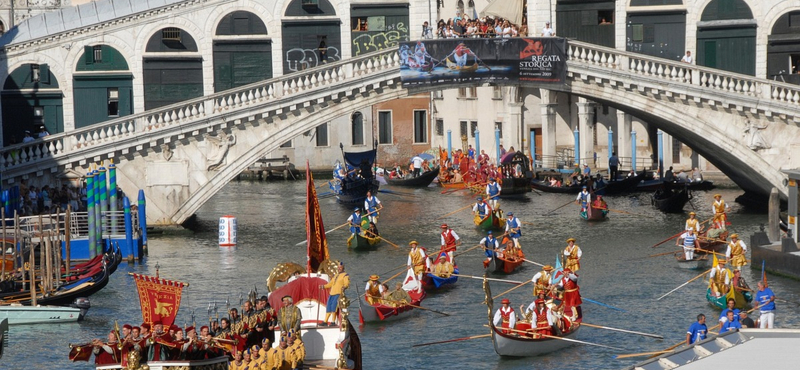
[577,147]
[143,220]
[477,147]
[633,150]
[126,206]
[90,213]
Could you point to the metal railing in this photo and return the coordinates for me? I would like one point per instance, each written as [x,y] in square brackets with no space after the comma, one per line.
[112,224]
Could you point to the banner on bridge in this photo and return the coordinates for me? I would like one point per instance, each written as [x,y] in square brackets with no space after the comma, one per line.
[538,61]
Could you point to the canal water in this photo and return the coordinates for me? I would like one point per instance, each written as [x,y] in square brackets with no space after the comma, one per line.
[270,223]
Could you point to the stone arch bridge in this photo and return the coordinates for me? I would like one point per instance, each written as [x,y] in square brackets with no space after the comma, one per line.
[184,153]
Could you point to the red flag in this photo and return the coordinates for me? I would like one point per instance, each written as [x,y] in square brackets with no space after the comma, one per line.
[315,231]
[160,298]
[80,353]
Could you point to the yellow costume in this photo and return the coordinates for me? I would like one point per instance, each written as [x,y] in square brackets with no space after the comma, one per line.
[573,254]
[339,283]
[692,223]
[237,366]
[737,254]
[417,258]
[717,283]
[298,353]
[542,284]
[373,293]
[398,297]
[443,269]
[279,358]
[289,318]
[719,213]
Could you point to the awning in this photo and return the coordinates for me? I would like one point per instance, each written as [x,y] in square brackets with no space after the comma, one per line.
[507,9]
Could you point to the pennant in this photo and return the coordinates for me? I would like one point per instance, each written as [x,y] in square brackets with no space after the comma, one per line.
[763,273]
[555,277]
[80,353]
[159,298]
[315,230]
[716,261]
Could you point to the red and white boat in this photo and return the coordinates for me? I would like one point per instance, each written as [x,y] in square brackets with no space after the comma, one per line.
[381,312]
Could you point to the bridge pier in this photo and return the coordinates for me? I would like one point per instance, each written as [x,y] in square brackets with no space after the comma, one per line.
[624,148]
[586,129]
[548,112]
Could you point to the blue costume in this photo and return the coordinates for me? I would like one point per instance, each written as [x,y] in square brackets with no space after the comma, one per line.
[585,198]
[355,222]
[493,189]
[481,208]
[371,207]
[489,243]
[512,227]
[697,332]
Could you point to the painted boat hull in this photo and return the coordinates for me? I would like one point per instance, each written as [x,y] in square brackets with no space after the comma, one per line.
[420,181]
[433,282]
[386,313]
[209,364]
[363,243]
[25,315]
[492,222]
[742,300]
[514,346]
[595,215]
[668,201]
[700,262]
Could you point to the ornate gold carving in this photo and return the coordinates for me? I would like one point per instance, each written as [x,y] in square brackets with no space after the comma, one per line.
[282,273]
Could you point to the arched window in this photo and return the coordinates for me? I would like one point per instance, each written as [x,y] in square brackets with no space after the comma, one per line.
[357,128]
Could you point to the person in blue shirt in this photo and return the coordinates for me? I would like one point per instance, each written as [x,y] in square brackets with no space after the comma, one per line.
[698,330]
[490,247]
[355,221]
[765,300]
[731,323]
[723,316]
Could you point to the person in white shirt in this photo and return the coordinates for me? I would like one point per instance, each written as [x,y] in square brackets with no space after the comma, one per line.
[28,138]
[547,31]
[687,58]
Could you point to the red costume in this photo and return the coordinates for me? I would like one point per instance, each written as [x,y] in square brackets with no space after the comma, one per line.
[102,356]
[449,241]
[572,293]
[541,322]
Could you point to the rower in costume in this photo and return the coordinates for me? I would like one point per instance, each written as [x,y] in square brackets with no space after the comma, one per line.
[720,209]
[337,286]
[513,228]
[374,290]
[572,292]
[539,315]
[417,259]
[443,267]
[690,243]
[373,206]
[505,317]
[600,205]
[735,252]
[355,222]
[573,254]
[481,209]
[719,279]
[450,240]
[399,296]
[693,223]
[541,281]
[490,248]
[493,192]
[584,199]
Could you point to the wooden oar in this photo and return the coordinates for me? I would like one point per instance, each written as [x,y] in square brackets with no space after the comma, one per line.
[617,357]
[622,330]
[660,254]
[684,284]
[621,211]
[516,287]
[562,206]
[561,338]
[453,340]
[668,239]
[533,262]
[382,238]
[492,279]
[528,223]
[415,306]
[448,191]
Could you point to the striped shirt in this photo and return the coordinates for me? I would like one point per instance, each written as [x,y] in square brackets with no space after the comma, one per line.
[688,240]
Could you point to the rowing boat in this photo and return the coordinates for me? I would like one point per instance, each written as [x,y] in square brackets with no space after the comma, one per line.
[364,242]
[490,222]
[387,311]
[671,201]
[500,264]
[742,299]
[431,281]
[594,214]
[700,261]
[421,181]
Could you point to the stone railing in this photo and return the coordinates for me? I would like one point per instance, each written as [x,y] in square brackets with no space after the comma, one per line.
[188,118]
[780,97]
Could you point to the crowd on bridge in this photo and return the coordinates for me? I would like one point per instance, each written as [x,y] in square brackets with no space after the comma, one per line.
[462,26]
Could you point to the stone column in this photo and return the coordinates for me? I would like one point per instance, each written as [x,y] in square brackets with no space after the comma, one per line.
[548,111]
[586,129]
[624,138]
[774,230]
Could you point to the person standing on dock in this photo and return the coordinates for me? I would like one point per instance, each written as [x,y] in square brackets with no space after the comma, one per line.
[698,331]
[720,212]
[735,252]
[373,206]
[572,254]
[765,300]
[690,243]
[613,166]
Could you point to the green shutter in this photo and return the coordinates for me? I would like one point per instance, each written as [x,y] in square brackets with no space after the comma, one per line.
[88,54]
[44,73]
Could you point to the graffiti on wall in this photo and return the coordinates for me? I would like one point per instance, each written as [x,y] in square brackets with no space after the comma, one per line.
[299,59]
[375,41]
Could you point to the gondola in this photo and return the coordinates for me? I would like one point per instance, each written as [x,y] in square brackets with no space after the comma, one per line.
[625,185]
[518,184]
[670,201]
[383,312]
[421,181]
[693,185]
[452,185]
[432,282]
[542,186]
[594,214]
[351,188]
[700,261]
[491,222]
[742,299]
[520,344]
[363,242]
[502,265]
[716,245]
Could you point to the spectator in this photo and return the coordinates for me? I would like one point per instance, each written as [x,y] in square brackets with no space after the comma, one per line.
[28,138]
[427,33]
[43,132]
[687,58]
[746,321]
[547,31]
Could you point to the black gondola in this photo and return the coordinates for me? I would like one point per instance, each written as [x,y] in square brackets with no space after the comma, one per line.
[540,185]
[671,200]
[420,181]
[516,163]
[625,185]
[352,188]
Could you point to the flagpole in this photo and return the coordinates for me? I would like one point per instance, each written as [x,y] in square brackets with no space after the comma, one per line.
[309,181]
